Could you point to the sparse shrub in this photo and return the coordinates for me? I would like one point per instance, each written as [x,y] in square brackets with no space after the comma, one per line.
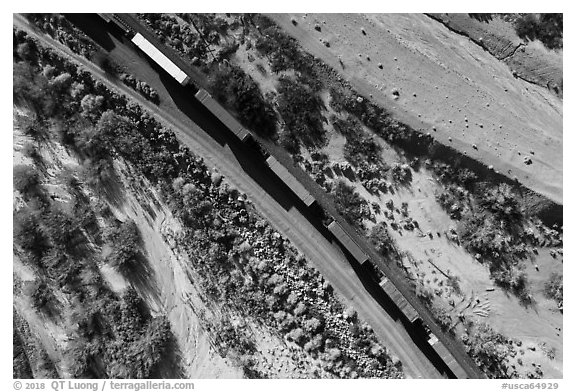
[26,179]
[350,204]
[126,255]
[546,27]
[442,317]
[381,239]
[312,325]
[281,50]
[490,351]
[503,202]
[300,107]
[28,233]
[238,91]
[554,288]
[297,335]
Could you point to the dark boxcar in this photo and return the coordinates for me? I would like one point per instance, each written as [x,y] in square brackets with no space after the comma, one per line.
[290,180]
[222,114]
[397,297]
[348,242]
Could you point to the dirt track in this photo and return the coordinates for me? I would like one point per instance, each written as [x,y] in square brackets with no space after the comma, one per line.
[445,81]
[324,256]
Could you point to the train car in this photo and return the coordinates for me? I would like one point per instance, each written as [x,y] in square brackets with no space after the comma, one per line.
[447,357]
[107,17]
[118,21]
[291,181]
[160,59]
[348,242]
[114,19]
[222,114]
[400,301]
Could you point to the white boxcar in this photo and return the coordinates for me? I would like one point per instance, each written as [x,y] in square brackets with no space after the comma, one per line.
[160,58]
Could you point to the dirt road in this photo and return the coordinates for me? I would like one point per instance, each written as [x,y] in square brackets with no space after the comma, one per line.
[289,222]
[445,81]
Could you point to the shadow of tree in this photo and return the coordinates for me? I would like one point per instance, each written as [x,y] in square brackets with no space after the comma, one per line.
[171,365]
[486,17]
[141,276]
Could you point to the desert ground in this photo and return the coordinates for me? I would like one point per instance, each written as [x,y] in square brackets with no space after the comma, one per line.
[448,86]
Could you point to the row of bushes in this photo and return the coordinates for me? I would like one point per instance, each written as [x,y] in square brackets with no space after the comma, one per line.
[59,28]
[142,87]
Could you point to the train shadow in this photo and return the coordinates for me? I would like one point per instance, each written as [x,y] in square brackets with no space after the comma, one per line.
[96,28]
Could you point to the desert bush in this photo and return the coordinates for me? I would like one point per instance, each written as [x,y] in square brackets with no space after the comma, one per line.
[300,108]
[281,50]
[350,204]
[381,239]
[28,233]
[142,87]
[126,255]
[61,230]
[545,27]
[43,299]
[32,88]
[490,351]
[26,180]
[454,200]
[554,288]
[442,317]
[59,28]
[91,105]
[503,203]
[401,173]
[297,335]
[360,148]
[239,92]
[312,325]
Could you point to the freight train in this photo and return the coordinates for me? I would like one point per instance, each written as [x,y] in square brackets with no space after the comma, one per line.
[337,230]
